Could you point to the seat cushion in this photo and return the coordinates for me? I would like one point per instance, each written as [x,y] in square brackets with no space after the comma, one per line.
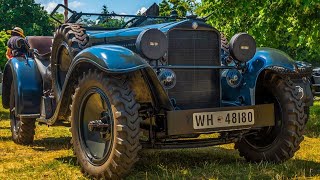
[42,43]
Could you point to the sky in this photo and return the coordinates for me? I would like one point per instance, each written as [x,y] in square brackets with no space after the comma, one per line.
[95,6]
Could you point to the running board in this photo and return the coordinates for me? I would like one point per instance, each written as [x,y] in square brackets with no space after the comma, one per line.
[181,144]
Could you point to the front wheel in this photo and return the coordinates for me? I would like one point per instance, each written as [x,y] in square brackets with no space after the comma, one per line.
[280,142]
[105,125]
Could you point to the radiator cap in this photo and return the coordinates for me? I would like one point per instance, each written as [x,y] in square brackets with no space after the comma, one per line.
[242,47]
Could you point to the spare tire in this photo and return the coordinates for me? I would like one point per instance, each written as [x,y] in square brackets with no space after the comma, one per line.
[68,41]
[225,50]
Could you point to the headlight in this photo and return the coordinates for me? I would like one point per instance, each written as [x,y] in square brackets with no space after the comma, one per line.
[152,43]
[167,78]
[242,47]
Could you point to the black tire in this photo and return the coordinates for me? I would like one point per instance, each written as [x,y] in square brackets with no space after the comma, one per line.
[123,138]
[22,129]
[224,43]
[225,53]
[279,143]
[68,41]
[307,112]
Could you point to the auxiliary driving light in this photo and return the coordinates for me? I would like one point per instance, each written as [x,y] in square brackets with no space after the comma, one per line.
[152,43]
[167,78]
[242,47]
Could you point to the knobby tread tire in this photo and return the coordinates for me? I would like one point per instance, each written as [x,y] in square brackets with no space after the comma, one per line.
[127,133]
[294,118]
[76,38]
[224,43]
[25,134]
[225,49]
[75,35]
[302,72]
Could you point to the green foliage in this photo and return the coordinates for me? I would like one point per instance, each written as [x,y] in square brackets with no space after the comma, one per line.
[181,6]
[291,26]
[110,22]
[103,21]
[58,16]
[3,48]
[165,8]
[28,15]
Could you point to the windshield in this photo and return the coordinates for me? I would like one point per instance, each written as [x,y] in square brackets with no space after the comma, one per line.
[108,21]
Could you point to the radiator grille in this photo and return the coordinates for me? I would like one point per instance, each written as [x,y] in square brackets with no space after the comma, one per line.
[195,88]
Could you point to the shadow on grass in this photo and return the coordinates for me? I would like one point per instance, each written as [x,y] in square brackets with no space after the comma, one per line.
[4,115]
[51,144]
[7,138]
[62,123]
[207,163]
[217,163]
[70,160]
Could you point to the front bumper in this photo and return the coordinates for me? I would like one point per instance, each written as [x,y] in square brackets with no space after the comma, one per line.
[181,122]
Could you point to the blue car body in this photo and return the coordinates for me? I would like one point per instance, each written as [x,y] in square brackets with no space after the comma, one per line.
[27,82]
[112,56]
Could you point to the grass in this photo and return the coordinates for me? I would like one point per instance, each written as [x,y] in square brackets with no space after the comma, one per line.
[50,157]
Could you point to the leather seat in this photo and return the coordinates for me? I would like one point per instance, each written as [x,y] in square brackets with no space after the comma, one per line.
[43,44]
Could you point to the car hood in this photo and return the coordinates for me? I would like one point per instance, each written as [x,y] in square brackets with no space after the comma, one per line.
[99,37]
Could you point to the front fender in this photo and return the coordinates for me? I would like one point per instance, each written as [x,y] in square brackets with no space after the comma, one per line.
[268,58]
[118,59]
[265,58]
[111,58]
[27,81]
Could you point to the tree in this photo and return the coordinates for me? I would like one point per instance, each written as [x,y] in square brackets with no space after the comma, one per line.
[59,17]
[28,15]
[181,6]
[25,14]
[291,26]
[4,37]
[109,22]
[165,8]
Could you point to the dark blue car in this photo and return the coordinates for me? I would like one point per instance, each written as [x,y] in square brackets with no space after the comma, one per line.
[127,82]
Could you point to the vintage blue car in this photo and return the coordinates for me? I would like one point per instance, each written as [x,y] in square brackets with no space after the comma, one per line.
[156,82]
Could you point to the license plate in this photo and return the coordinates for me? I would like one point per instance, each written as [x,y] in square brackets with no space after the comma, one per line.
[233,118]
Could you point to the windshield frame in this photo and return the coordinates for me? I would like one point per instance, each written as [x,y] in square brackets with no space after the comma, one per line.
[77,15]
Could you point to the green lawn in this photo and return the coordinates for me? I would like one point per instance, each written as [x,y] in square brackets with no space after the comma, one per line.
[50,157]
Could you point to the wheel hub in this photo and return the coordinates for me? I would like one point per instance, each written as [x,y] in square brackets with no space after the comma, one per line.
[96,127]
[101,125]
